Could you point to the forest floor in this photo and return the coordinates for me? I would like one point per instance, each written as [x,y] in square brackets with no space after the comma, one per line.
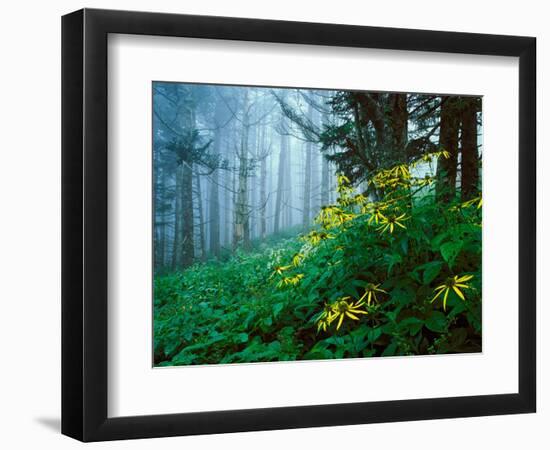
[408,284]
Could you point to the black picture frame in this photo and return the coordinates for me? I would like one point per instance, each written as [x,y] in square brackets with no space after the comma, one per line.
[84,224]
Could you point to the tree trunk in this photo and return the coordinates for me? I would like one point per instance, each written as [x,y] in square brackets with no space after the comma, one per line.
[252,195]
[178,232]
[187,246]
[399,131]
[307,182]
[280,183]
[325,180]
[241,235]
[448,141]
[263,188]
[214,203]
[469,158]
[201,218]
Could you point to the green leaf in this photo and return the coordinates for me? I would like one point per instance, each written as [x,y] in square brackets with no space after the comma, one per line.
[437,322]
[392,260]
[450,250]
[241,337]
[412,324]
[432,271]
[390,349]
[374,334]
[277,308]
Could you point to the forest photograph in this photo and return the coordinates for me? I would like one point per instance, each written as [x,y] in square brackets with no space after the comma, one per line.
[295,224]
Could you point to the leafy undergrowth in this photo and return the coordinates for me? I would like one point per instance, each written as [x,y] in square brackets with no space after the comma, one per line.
[398,276]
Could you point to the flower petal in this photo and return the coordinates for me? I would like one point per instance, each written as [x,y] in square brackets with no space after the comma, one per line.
[460,294]
[445,299]
[464,278]
[340,322]
[437,295]
[351,316]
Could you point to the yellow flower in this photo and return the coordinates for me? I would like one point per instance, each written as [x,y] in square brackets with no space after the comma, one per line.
[297,259]
[477,200]
[292,281]
[390,222]
[327,213]
[331,216]
[452,283]
[423,182]
[325,318]
[375,211]
[427,157]
[342,308]
[370,292]
[342,180]
[278,270]
[314,237]
[402,171]
[360,199]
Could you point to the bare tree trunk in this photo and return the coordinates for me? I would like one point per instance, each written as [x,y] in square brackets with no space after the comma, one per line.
[187,247]
[307,182]
[202,244]
[252,195]
[399,128]
[162,243]
[241,233]
[214,203]
[280,184]
[263,188]
[178,229]
[469,160]
[448,141]
[287,191]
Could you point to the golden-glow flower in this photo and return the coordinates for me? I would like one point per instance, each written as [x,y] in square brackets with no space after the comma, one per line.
[401,171]
[278,270]
[360,199]
[454,284]
[370,293]
[325,318]
[290,281]
[332,216]
[297,259]
[376,212]
[342,180]
[390,222]
[314,237]
[423,182]
[476,200]
[343,308]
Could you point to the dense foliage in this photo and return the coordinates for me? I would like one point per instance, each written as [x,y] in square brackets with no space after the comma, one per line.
[397,276]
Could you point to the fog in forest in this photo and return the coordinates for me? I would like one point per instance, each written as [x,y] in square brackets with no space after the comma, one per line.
[234,166]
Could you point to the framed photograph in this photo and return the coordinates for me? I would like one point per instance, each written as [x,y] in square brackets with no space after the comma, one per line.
[273,225]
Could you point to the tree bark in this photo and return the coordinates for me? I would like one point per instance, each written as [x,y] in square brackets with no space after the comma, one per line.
[448,141]
[307,181]
[178,234]
[399,128]
[263,187]
[187,246]
[325,180]
[469,157]
[241,235]
[214,203]
[201,218]
[281,181]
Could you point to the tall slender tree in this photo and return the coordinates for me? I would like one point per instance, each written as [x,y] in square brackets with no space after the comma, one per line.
[448,141]
[468,151]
